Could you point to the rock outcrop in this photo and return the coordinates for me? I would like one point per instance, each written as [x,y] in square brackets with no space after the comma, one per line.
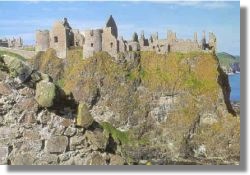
[152,109]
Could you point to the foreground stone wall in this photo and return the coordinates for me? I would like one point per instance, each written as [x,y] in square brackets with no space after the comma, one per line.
[33,131]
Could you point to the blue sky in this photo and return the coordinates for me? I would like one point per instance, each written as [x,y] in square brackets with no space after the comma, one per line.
[222,18]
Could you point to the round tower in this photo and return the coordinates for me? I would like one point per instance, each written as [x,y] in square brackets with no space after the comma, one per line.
[42,40]
[92,42]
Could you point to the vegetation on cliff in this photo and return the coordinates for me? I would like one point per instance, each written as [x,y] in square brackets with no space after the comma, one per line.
[175,103]
[226,60]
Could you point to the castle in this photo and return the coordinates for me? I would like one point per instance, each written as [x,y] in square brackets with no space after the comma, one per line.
[12,43]
[61,37]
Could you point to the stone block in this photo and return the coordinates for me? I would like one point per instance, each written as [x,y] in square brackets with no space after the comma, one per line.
[57,144]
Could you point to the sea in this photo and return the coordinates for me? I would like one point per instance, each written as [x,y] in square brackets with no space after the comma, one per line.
[234,81]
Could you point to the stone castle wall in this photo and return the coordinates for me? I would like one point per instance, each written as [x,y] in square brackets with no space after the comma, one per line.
[92,42]
[184,46]
[78,38]
[121,45]
[109,42]
[59,40]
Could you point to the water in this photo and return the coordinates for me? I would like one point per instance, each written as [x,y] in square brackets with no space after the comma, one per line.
[234,81]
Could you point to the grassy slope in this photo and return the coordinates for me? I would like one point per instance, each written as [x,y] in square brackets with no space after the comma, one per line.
[12,54]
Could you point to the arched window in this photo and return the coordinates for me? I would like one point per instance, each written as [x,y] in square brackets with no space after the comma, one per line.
[92,44]
[111,44]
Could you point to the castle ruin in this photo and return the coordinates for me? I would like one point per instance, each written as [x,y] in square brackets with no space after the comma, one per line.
[61,37]
[11,43]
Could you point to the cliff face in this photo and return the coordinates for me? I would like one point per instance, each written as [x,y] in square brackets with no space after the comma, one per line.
[159,108]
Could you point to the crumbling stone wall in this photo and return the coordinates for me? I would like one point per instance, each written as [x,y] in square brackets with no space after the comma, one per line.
[62,37]
[109,42]
[122,45]
[184,46]
[212,41]
[78,38]
[42,40]
[12,43]
[59,38]
[92,42]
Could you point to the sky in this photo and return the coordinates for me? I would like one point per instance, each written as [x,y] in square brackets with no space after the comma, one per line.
[185,18]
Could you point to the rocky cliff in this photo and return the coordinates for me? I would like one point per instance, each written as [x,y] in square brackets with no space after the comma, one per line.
[143,108]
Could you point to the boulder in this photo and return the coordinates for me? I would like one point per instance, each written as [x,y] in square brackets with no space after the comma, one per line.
[17,68]
[57,144]
[26,158]
[36,76]
[95,159]
[45,93]
[84,118]
[116,160]
[97,139]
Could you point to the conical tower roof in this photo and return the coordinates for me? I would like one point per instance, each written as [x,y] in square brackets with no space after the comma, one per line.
[111,23]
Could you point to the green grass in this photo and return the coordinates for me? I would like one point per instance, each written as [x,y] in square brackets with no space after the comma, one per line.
[60,83]
[29,48]
[12,54]
[119,136]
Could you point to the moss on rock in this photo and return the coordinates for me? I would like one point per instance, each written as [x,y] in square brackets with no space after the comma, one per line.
[45,93]
[83,118]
